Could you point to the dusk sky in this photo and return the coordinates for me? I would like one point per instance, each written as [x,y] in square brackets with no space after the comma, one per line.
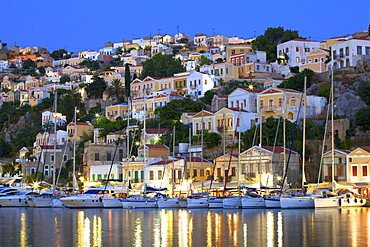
[82,25]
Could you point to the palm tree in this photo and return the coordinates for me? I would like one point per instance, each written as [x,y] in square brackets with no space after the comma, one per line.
[116,90]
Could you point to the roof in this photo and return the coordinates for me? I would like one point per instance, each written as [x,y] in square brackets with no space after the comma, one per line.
[197,159]
[77,123]
[156,131]
[277,150]
[153,146]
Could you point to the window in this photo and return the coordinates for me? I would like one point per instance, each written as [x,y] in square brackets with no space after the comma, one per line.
[280,102]
[286,50]
[151,175]
[159,174]
[341,52]
[209,125]
[233,171]
[354,171]
[307,49]
[347,50]
[297,59]
[109,156]
[227,71]
[261,104]
[221,71]
[96,156]
[205,81]
[364,171]
[297,49]
[33,170]
[316,60]
[292,102]
[230,122]
[99,177]
[367,50]
[177,85]
[179,174]
[195,172]
[359,50]
[52,157]
[184,83]
[93,177]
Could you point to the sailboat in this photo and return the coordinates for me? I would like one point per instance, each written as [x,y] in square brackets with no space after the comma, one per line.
[331,199]
[300,201]
[49,199]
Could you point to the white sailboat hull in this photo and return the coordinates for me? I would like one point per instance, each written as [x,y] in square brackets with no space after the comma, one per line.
[253,202]
[232,202]
[198,202]
[297,202]
[169,203]
[139,203]
[328,202]
[352,202]
[272,202]
[48,203]
[112,203]
[215,203]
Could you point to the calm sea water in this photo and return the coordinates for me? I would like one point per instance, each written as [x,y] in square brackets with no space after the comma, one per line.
[182,227]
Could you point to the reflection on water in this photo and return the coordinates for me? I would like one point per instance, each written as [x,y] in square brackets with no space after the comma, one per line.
[181,227]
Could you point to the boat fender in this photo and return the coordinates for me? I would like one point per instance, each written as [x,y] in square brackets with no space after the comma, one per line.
[20,199]
[361,201]
[355,200]
[348,200]
[100,199]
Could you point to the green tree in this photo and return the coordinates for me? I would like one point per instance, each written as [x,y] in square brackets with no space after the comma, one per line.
[41,70]
[127,80]
[58,54]
[161,66]
[64,79]
[67,101]
[116,90]
[208,96]
[174,109]
[203,60]
[364,91]
[91,65]
[5,148]
[296,82]
[28,64]
[362,118]
[183,41]
[271,38]
[96,89]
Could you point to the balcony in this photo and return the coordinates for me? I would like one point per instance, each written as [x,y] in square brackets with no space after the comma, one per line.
[268,108]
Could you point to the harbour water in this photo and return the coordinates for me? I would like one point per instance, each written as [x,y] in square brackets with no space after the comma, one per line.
[184,227]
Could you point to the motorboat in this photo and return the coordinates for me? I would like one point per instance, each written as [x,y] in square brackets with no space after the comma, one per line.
[17,200]
[92,198]
[114,200]
[47,199]
[298,202]
[253,202]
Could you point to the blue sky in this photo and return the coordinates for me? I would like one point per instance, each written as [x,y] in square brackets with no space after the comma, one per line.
[81,25]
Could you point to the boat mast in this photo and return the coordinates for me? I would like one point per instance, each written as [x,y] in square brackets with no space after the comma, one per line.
[75,185]
[55,139]
[128,144]
[304,132]
[332,131]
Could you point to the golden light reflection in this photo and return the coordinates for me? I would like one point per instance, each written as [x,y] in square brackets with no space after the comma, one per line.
[157,232]
[184,228]
[245,234]
[235,229]
[209,229]
[270,228]
[85,229]
[138,232]
[97,231]
[280,229]
[218,223]
[23,231]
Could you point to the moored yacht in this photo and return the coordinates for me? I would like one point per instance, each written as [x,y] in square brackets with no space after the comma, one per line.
[17,200]
[92,198]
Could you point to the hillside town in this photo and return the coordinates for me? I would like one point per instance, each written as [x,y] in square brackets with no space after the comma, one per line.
[185,113]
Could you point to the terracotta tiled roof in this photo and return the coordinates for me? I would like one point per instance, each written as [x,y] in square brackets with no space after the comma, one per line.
[157,131]
[278,150]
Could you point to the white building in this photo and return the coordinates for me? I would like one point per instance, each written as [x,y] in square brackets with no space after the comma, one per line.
[297,50]
[349,52]
[243,98]
[49,117]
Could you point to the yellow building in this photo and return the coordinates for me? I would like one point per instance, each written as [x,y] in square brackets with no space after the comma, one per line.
[81,129]
[315,61]
[114,111]
[358,162]
[224,71]
[275,102]
[233,49]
